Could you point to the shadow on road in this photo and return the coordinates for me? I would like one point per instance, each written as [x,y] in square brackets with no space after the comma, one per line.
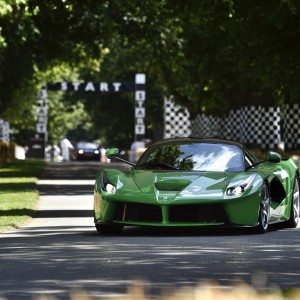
[65,189]
[64,214]
[76,169]
[71,257]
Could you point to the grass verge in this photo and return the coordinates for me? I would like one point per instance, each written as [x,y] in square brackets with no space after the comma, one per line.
[18,193]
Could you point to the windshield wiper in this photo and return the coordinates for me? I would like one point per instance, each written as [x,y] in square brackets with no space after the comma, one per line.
[155,165]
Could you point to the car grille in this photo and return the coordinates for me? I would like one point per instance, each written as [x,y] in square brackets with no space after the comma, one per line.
[204,213]
[137,212]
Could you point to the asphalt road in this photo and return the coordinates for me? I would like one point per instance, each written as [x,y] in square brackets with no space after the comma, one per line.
[59,251]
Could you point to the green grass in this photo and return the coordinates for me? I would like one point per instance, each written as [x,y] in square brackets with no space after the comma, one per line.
[18,192]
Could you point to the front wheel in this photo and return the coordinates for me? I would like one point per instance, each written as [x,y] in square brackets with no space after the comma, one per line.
[109,229]
[293,221]
[264,210]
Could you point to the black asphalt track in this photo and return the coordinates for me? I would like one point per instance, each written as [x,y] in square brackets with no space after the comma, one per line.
[58,259]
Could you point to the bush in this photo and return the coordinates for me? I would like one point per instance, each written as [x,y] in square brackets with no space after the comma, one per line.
[11,151]
[7,152]
[3,152]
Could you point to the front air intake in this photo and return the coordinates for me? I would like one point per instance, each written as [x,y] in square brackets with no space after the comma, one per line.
[205,213]
[137,212]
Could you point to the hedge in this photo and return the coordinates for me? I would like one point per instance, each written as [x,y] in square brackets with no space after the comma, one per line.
[7,152]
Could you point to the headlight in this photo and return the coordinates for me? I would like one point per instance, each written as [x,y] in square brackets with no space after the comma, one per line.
[96,151]
[235,191]
[239,187]
[111,189]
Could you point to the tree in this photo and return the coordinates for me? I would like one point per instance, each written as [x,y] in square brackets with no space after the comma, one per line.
[211,55]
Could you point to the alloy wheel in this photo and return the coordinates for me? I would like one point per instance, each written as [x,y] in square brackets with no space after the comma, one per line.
[296,202]
[264,209]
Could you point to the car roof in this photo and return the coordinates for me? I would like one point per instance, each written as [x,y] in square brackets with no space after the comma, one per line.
[201,140]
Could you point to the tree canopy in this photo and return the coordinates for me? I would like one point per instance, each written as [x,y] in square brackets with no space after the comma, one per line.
[212,55]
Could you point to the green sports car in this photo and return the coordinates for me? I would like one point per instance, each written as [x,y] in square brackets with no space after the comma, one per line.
[187,182]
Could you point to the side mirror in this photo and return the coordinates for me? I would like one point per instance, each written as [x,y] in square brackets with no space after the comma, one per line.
[274,157]
[112,152]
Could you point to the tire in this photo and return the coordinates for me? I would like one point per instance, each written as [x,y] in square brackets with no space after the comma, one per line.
[109,229]
[293,221]
[264,210]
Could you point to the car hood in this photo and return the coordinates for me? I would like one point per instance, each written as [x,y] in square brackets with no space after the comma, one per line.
[147,184]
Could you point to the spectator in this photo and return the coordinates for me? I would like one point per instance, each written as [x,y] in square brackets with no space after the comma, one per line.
[66,146]
[136,150]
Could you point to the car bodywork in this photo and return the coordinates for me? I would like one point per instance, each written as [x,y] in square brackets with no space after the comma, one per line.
[184,197]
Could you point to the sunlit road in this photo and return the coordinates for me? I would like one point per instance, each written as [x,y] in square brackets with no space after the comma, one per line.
[60,251]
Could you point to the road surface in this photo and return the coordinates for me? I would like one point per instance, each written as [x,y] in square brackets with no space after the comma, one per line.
[59,251]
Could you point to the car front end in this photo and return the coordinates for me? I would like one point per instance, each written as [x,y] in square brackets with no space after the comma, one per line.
[176,199]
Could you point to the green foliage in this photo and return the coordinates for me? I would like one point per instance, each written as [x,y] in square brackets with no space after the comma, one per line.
[211,55]
[64,117]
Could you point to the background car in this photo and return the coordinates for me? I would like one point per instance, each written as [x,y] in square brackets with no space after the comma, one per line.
[87,151]
[198,182]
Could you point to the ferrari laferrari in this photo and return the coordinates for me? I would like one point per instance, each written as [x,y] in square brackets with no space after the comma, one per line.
[188,182]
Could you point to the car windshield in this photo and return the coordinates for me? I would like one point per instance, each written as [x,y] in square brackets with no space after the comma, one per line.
[87,145]
[210,157]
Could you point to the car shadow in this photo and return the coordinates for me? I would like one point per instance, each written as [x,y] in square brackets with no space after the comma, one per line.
[132,231]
